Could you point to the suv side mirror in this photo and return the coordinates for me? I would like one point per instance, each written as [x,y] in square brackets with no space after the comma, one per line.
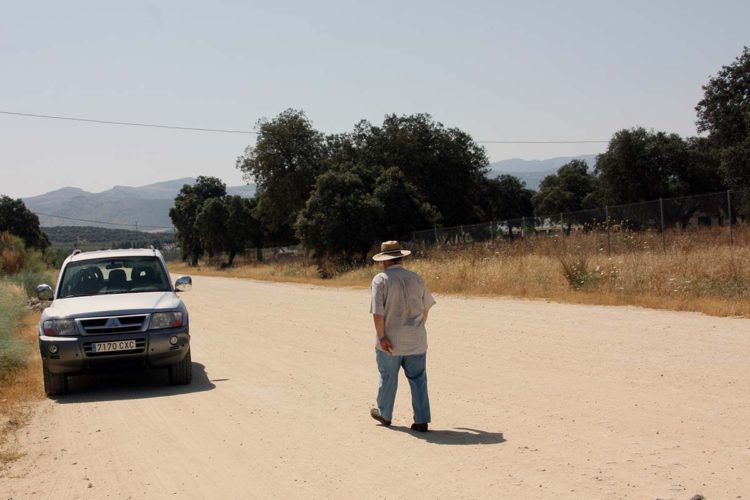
[183,284]
[44,292]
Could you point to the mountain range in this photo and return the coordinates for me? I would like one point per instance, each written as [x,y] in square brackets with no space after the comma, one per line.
[147,207]
[125,207]
[533,171]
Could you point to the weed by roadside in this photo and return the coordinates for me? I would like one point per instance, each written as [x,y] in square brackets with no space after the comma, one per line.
[12,309]
[20,370]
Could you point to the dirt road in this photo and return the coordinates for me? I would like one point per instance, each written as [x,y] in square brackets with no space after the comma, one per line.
[529,400]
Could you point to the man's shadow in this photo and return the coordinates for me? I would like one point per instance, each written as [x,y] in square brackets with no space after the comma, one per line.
[459,436]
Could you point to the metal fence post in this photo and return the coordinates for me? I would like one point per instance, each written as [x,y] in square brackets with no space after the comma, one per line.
[609,239]
[492,230]
[729,214]
[562,225]
[663,237]
[436,237]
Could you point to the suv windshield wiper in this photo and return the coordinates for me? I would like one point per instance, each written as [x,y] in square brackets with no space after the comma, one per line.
[75,295]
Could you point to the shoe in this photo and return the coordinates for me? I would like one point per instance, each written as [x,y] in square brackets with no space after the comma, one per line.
[375,413]
[419,427]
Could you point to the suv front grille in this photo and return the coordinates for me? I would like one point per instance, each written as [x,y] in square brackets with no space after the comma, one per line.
[140,346]
[114,324]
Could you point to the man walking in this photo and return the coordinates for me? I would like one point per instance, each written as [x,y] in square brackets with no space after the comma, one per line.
[400,304]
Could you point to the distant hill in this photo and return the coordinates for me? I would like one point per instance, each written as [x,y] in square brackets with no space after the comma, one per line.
[91,237]
[533,171]
[121,207]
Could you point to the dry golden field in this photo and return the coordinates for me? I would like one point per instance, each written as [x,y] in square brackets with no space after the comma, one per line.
[690,270]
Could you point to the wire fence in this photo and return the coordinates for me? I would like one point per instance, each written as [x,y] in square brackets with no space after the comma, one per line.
[658,225]
[666,219]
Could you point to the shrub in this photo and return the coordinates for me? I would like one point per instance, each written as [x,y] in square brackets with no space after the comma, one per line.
[575,269]
[12,348]
[21,265]
[12,253]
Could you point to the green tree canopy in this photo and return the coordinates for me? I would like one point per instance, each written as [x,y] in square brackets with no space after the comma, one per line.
[404,209]
[353,206]
[564,191]
[724,112]
[341,218]
[18,220]
[642,165]
[445,165]
[284,163]
[211,226]
[187,204]
[242,227]
[507,197]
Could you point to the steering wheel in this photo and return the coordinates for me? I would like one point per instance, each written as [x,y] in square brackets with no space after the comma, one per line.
[88,279]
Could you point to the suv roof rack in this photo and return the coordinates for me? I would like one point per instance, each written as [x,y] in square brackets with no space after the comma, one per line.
[76,252]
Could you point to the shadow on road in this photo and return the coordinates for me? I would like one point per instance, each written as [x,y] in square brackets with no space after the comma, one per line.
[153,383]
[459,436]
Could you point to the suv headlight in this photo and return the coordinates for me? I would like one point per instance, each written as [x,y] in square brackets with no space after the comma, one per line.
[59,327]
[163,320]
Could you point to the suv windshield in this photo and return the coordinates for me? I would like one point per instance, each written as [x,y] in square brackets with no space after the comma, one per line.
[116,275]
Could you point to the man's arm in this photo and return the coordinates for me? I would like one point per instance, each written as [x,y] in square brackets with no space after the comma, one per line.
[424,315]
[379,321]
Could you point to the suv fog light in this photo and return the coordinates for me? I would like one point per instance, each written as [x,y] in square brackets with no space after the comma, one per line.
[53,349]
[173,340]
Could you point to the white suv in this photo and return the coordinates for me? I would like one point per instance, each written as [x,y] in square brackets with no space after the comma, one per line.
[114,310]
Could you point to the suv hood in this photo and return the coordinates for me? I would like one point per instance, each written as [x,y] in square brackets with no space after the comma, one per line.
[109,305]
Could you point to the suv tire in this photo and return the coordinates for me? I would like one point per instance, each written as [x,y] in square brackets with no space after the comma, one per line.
[54,383]
[181,373]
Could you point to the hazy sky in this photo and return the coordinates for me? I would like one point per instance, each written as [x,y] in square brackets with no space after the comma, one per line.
[574,70]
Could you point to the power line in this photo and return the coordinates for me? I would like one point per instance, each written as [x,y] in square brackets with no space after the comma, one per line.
[230,131]
[541,142]
[130,124]
[101,221]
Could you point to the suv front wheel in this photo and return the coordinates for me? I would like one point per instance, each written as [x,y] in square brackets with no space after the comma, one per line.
[181,373]
[54,383]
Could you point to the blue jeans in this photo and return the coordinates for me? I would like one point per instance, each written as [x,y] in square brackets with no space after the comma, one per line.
[415,370]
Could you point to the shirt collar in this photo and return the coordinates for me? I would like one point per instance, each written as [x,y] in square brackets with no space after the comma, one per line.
[396,266]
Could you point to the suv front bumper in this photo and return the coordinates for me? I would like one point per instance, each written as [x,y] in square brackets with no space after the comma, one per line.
[153,348]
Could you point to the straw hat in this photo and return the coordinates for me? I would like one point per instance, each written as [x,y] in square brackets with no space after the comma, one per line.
[390,250]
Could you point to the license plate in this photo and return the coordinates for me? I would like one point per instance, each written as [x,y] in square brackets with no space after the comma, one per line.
[120,345]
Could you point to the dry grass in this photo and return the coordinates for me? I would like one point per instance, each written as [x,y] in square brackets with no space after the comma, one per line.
[285,272]
[699,271]
[18,388]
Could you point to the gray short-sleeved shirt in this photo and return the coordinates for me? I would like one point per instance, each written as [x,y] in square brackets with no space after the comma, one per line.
[401,296]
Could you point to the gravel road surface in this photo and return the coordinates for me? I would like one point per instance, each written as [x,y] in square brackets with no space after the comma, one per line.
[530,399]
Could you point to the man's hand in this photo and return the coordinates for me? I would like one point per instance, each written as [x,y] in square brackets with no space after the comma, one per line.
[386,345]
